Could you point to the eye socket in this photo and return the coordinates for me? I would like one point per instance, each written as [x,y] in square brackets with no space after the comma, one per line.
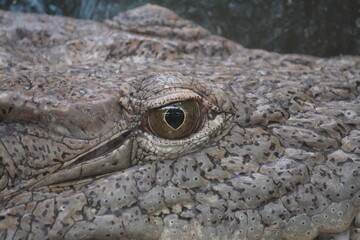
[175,121]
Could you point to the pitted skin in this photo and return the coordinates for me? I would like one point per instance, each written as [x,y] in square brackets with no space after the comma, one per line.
[279,158]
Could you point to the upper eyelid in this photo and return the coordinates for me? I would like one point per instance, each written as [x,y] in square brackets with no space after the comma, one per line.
[178,96]
[160,101]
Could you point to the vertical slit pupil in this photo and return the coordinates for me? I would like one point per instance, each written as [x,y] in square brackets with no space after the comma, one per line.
[174,116]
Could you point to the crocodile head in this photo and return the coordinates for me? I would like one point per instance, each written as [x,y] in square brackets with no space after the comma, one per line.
[149,127]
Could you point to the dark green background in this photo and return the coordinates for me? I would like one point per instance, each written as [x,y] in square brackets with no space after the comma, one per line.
[317,27]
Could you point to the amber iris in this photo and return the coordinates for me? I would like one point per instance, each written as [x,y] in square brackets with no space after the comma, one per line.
[175,121]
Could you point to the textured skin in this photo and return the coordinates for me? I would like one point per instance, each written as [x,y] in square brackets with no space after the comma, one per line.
[278,155]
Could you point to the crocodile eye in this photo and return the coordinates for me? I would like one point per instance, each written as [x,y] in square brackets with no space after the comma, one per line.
[175,121]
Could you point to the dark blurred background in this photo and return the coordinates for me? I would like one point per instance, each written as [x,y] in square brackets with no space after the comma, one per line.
[317,27]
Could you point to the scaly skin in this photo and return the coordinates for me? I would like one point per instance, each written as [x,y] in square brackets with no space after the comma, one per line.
[277,155]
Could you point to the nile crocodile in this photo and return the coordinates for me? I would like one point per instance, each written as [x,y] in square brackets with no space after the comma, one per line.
[147,126]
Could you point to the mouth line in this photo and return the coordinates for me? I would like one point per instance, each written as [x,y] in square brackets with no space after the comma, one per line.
[102,150]
[107,157]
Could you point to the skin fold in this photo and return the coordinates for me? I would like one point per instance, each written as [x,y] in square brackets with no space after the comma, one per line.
[274,154]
